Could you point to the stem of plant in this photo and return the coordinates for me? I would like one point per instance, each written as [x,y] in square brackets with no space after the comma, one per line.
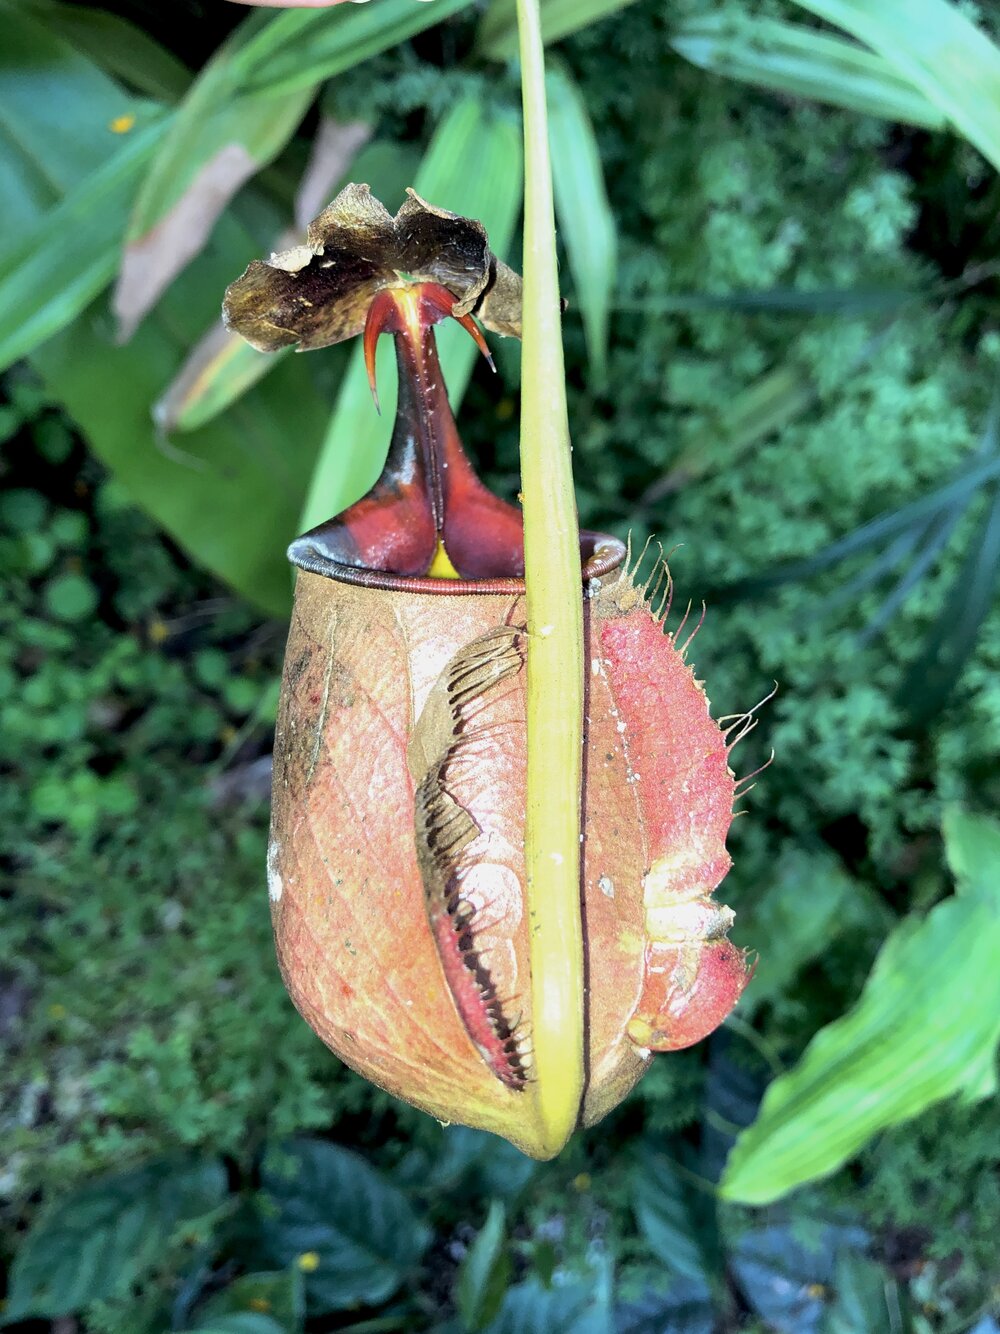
[555,639]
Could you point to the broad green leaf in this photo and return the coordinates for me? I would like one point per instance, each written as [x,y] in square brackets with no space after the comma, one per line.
[472,166]
[666,1220]
[497,36]
[232,495]
[484,1275]
[279,1294]
[358,1230]
[237,116]
[97,1241]
[473,1159]
[925,1028]
[222,366]
[586,223]
[784,1262]
[56,106]
[666,1307]
[247,1322]
[118,47]
[802,62]
[304,47]
[25,192]
[567,1308]
[940,50]
[972,846]
[53,273]
[866,1299]
[258,460]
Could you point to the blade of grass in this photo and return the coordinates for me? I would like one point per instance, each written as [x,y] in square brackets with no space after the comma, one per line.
[940,50]
[764,407]
[877,568]
[586,221]
[802,62]
[473,167]
[758,411]
[938,535]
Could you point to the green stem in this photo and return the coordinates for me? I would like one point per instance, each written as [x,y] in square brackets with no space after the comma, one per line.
[555,639]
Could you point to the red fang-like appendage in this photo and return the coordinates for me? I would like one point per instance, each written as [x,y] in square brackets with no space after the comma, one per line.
[410,310]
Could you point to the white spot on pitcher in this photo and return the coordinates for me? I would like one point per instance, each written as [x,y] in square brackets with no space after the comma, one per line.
[274,885]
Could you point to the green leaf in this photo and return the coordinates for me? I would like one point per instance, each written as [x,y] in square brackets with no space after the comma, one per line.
[497,35]
[97,1241]
[362,1238]
[475,1160]
[244,1323]
[71,254]
[305,47]
[585,218]
[925,1028]
[569,1308]
[118,47]
[473,166]
[940,50]
[667,1221]
[231,498]
[56,107]
[784,1261]
[484,1275]
[71,597]
[219,370]
[972,847]
[867,1300]
[802,62]
[279,1294]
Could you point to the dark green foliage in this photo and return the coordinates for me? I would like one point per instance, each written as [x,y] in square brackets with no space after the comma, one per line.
[108,1234]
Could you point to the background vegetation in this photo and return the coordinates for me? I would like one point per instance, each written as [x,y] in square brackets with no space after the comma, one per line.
[783,349]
